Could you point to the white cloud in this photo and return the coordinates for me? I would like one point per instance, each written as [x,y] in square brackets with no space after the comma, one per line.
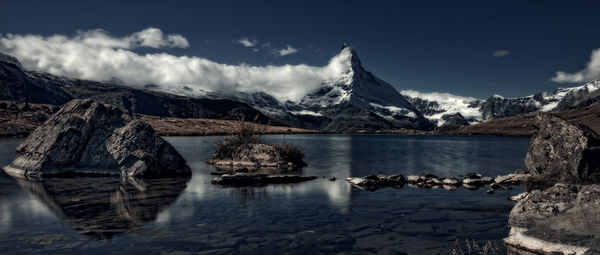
[247,42]
[97,55]
[500,53]
[285,51]
[589,73]
[150,37]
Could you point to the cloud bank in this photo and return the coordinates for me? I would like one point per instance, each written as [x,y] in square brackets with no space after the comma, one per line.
[589,73]
[98,55]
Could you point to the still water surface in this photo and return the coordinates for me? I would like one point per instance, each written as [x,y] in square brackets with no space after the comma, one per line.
[190,215]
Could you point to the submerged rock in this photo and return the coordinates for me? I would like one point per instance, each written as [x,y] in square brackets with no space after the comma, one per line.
[241,179]
[564,218]
[563,149]
[87,137]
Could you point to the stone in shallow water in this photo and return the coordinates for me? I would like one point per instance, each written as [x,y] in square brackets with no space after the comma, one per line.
[87,137]
[373,182]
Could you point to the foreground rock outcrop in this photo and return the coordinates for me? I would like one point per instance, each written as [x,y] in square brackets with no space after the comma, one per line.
[564,219]
[242,179]
[564,150]
[87,137]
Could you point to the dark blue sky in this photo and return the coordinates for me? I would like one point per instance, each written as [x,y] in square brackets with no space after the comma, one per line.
[441,46]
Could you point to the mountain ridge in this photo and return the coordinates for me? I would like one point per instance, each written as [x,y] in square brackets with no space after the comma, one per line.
[352,99]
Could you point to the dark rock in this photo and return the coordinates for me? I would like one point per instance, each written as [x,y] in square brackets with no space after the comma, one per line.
[473,176]
[242,179]
[427,176]
[454,120]
[498,186]
[372,182]
[332,179]
[87,137]
[565,217]
[241,170]
[563,149]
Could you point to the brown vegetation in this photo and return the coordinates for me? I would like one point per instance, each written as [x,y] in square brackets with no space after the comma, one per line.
[523,125]
[168,126]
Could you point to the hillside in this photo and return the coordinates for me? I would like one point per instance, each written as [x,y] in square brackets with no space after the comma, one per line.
[523,125]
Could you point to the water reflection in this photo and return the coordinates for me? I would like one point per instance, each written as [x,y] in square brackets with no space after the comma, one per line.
[319,216]
[102,207]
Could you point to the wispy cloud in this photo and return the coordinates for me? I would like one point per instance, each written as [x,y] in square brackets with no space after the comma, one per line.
[247,42]
[589,73]
[500,53]
[97,55]
[285,51]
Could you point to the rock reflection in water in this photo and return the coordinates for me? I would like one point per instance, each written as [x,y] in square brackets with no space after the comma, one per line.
[103,207]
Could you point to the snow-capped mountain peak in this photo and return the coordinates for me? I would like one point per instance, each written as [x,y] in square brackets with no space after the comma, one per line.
[352,84]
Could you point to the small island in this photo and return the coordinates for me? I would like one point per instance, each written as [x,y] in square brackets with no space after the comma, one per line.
[245,148]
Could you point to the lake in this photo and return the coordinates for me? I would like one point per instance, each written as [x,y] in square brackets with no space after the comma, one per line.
[190,215]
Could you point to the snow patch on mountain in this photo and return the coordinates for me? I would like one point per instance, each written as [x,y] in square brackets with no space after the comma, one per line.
[435,105]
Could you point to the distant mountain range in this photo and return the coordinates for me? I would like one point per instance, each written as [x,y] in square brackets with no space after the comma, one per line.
[352,100]
[446,109]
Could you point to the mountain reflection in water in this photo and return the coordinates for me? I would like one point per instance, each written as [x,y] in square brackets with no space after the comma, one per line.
[103,207]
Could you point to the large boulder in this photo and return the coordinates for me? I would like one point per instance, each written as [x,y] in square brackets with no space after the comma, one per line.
[563,218]
[87,137]
[563,149]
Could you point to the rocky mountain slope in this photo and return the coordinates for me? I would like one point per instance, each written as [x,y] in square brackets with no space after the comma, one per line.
[350,100]
[523,125]
[439,108]
[18,84]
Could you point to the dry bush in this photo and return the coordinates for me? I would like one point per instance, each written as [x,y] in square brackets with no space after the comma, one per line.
[291,153]
[242,132]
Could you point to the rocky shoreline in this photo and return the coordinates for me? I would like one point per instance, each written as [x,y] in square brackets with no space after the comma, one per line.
[560,212]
